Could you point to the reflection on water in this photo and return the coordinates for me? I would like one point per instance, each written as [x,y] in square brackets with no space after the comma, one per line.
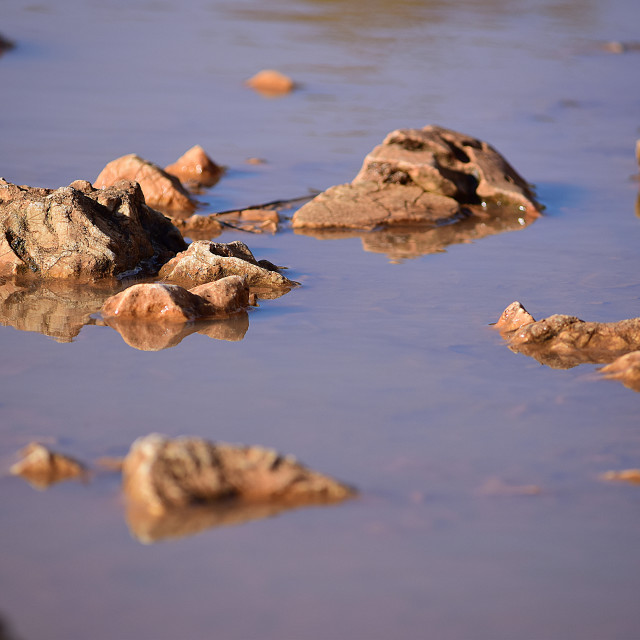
[402,243]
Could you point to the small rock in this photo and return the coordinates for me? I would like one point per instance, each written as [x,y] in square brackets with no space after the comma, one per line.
[198,227]
[196,169]
[161,190]
[206,261]
[5,45]
[164,474]
[513,317]
[227,295]
[271,83]
[42,467]
[626,475]
[626,368]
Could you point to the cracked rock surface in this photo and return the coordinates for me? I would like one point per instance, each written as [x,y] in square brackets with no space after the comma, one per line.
[426,176]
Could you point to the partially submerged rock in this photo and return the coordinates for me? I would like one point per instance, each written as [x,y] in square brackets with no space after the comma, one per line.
[626,369]
[163,474]
[271,83]
[196,169]
[206,261]
[161,189]
[42,467]
[562,341]
[82,233]
[626,475]
[430,176]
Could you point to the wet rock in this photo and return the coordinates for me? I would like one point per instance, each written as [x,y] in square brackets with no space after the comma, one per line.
[206,261]
[171,303]
[163,475]
[196,169]
[562,341]
[161,189]
[626,369]
[626,475]
[42,467]
[200,227]
[271,83]
[426,176]
[82,233]
[149,335]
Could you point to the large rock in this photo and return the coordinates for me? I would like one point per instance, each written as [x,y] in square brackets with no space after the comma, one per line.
[163,474]
[83,233]
[206,261]
[161,189]
[562,341]
[196,169]
[428,176]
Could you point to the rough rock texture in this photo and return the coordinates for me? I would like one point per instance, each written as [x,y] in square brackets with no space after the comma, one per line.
[271,83]
[562,342]
[80,232]
[427,176]
[42,467]
[206,261]
[163,474]
[161,190]
[196,169]
[171,303]
[150,335]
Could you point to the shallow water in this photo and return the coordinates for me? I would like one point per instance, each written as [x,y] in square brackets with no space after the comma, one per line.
[382,372]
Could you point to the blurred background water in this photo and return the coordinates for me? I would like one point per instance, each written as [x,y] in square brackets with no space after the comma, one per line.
[382,372]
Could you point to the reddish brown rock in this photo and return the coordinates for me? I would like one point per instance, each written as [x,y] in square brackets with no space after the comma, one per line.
[626,369]
[206,261]
[82,233]
[197,227]
[227,295]
[196,169]
[163,475]
[626,475]
[426,176]
[42,467]
[271,83]
[161,190]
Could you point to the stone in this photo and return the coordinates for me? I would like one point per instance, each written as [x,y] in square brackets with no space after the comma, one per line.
[5,44]
[42,467]
[200,227]
[196,169]
[227,295]
[428,176]
[82,233]
[271,83]
[626,475]
[205,261]
[161,190]
[165,474]
[562,341]
[626,369]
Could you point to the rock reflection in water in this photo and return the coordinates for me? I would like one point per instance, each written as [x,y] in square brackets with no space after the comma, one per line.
[54,308]
[155,336]
[412,241]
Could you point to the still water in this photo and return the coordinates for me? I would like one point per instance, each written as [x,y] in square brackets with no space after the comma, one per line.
[381,369]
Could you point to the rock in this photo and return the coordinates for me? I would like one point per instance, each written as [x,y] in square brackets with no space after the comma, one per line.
[428,176]
[227,295]
[82,233]
[196,169]
[163,475]
[161,190]
[271,83]
[626,475]
[199,227]
[562,341]
[42,467]
[206,261]
[626,368]
[5,45]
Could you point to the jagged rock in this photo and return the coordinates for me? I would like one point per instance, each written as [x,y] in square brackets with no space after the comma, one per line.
[172,303]
[42,467]
[161,190]
[163,475]
[83,233]
[562,341]
[196,169]
[428,176]
[206,261]
[271,83]
[626,368]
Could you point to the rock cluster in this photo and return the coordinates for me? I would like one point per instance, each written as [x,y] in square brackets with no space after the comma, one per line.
[421,176]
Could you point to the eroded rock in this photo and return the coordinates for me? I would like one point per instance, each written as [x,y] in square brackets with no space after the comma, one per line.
[206,261]
[163,474]
[196,169]
[421,176]
[562,341]
[161,189]
[82,233]
[42,467]
[271,83]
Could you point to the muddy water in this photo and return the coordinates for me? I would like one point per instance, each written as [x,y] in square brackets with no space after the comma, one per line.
[381,369]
